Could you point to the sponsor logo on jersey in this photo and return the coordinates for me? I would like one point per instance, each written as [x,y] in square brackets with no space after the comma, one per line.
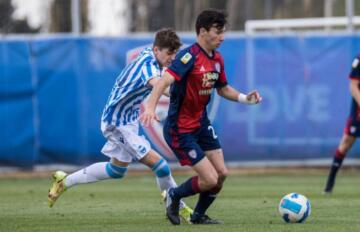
[185,58]
[209,79]
[206,91]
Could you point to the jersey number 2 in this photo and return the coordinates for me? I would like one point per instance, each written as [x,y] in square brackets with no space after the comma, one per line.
[212,131]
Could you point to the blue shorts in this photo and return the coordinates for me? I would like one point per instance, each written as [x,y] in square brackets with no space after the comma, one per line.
[189,147]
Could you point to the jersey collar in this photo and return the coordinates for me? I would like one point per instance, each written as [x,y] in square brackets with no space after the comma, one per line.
[206,54]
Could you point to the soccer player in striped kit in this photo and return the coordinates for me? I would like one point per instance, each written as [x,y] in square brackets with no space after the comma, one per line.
[120,123]
[193,75]
[352,128]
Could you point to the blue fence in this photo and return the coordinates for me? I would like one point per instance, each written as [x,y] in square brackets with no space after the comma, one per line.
[52,92]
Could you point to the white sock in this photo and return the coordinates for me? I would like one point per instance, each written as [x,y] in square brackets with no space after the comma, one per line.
[92,173]
[166,182]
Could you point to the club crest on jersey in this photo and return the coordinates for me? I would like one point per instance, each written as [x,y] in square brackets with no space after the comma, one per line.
[217,67]
[185,58]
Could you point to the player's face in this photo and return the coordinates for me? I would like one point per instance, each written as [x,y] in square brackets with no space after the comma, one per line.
[214,37]
[164,56]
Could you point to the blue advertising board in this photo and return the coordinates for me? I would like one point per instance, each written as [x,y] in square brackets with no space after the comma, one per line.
[53,90]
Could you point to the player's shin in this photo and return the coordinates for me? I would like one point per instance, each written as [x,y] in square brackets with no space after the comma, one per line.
[165,181]
[204,202]
[94,173]
[186,189]
[336,165]
[164,178]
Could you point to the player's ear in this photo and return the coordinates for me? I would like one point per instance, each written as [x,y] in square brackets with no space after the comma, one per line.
[156,49]
[202,31]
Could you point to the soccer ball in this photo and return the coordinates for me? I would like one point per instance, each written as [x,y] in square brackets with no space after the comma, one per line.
[294,208]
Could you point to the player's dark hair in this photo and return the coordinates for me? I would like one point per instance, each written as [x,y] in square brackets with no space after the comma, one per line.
[167,38]
[211,18]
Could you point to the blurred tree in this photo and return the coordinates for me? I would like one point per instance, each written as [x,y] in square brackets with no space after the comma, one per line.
[149,15]
[60,12]
[60,16]
[165,19]
[6,10]
[184,14]
[234,17]
[139,16]
[239,11]
[84,11]
[10,25]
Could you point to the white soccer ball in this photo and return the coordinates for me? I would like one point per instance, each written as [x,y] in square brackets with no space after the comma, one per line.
[294,208]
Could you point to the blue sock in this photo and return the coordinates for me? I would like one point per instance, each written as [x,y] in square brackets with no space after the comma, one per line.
[188,188]
[204,202]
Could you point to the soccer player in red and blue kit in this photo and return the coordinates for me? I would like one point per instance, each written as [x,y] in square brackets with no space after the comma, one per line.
[352,128]
[193,75]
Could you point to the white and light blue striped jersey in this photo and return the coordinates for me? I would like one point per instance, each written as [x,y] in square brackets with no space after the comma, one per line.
[130,89]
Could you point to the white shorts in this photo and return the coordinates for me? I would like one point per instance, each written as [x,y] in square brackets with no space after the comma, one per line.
[124,142]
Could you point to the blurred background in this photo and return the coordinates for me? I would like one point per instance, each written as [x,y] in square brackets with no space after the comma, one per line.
[114,17]
[60,58]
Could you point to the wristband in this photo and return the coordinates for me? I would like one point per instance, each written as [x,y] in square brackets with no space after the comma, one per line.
[243,99]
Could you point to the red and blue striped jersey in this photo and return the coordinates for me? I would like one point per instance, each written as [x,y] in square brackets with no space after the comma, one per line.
[196,75]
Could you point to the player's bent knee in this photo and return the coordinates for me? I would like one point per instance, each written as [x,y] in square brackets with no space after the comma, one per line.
[114,171]
[222,175]
[208,183]
[161,168]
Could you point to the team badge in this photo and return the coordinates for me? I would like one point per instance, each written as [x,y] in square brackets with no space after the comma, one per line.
[355,63]
[217,67]
[186,58]
[352,129]
[192,154]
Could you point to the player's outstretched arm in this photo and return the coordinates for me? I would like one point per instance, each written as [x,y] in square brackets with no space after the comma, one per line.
[150,106]
[154,81]
[232,94]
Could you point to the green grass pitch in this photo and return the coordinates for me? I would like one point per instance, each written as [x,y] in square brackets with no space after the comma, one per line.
[248,202]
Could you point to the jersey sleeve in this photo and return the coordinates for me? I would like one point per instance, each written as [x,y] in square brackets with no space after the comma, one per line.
[148,71]
[355,69]
[182,64]
[222,81]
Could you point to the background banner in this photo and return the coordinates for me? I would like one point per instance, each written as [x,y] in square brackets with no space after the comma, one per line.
[53,90]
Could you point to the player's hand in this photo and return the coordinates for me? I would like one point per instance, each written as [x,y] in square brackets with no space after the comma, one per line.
[147,117]
[254,97]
